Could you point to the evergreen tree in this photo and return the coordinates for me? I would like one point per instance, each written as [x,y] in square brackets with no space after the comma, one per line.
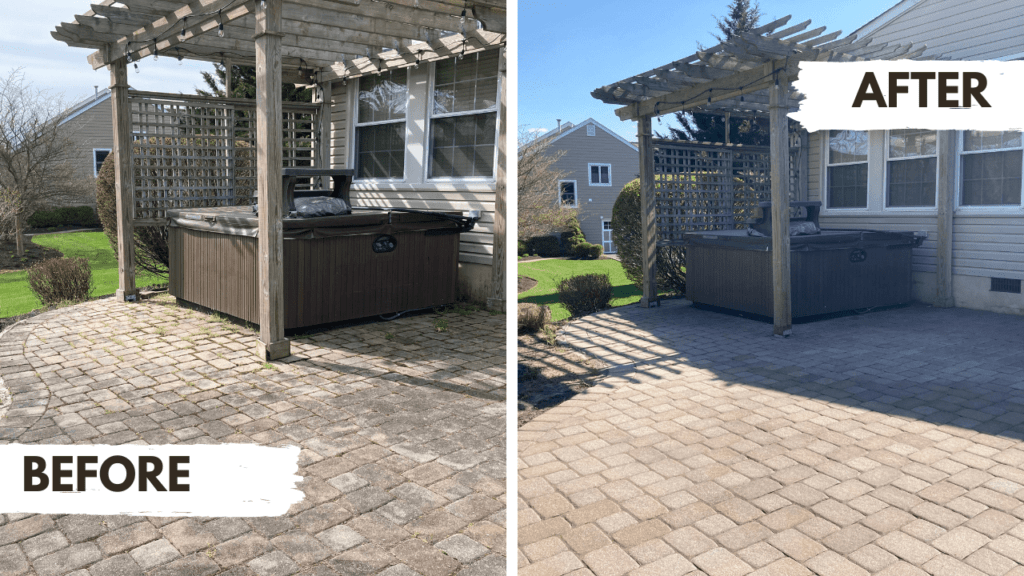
[708,127]
[243,85]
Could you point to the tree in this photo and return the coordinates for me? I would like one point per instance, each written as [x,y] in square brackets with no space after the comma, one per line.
[707,127]
[243,85]
[36,153]
[540,208]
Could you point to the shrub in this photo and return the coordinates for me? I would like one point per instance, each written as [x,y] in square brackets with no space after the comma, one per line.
[151,253]
[521,248]
[546,246]
[61,280]
[628,238]
[533,317]
[585,293]
[66,216]
[594,251]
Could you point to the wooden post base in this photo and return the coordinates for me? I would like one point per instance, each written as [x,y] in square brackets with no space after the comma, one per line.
[647,303]
[121,296]
[274,350]
[496,304]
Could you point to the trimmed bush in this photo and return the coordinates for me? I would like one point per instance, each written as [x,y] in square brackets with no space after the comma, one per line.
[533,317]
[546,246]
[585,293]
[628,238]
[594,251]
[521,248]
[66,216]
[151,254]
[61,280]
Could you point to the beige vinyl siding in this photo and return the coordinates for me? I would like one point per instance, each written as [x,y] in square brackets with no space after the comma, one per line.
[960,30]
[477,246]
[601,148]
[93,128]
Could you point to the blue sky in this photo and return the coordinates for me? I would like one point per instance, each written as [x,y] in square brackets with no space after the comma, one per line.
[569,48]
[25,43]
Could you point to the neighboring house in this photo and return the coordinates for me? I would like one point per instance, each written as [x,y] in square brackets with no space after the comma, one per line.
[888,179]
[418,139]
[92,128]
[597,163]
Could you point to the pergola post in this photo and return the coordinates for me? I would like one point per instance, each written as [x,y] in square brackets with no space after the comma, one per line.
[497,298]
[648,223]
[124,181]
[778,107]
[272,344]
[944,229]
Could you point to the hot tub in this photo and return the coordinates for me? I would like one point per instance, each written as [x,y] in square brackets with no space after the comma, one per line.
[336,268]
[831,271]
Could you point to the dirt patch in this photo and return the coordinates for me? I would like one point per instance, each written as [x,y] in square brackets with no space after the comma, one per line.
[525,283]
[549,375]
[11,262]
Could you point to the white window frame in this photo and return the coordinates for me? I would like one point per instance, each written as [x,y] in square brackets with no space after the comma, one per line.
[95,168]
[590,167]
[428,151]
[825,165]
[885,178]
[591,130]
[606,226]
[981,209]
[575,191]
[356,125]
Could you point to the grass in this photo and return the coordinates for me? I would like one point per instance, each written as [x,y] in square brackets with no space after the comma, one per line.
[548,273]
[16,297]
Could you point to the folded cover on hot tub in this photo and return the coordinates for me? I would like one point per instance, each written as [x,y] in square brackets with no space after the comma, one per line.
[833,239]
[241,221]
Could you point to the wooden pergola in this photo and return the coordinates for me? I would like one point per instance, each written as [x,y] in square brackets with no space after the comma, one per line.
[305,42]
[748,75]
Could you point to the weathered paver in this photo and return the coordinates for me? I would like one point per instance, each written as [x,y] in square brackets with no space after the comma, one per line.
[887,443]
[402,430]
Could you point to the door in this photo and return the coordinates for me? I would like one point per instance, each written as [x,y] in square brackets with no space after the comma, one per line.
[606,237]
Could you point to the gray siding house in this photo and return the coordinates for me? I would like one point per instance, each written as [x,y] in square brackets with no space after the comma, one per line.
[597,163]
[92,129]
[887,180]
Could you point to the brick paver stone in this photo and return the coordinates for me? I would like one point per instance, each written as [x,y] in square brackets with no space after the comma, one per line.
[847,450]
[402,431]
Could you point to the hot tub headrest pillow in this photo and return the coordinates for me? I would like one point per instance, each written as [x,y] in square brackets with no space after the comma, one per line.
[317,206]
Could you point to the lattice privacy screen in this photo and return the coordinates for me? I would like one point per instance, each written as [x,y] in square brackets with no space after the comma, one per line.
[711,187]
[191,152]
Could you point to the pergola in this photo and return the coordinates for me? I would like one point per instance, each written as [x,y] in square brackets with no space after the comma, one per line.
[750,74]
[305,42]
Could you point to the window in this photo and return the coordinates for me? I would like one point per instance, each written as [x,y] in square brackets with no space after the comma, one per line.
[591,130]
[911,168]
[847,170]
[567,193]
[98,156]
[380,125]
[990,168]
[464,118]
[600,174]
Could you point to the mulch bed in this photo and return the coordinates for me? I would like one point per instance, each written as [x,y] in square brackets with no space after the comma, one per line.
[549,375]
[525,283]
[10,261]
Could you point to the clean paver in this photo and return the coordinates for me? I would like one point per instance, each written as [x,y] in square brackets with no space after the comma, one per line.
[402,430]
[887,444]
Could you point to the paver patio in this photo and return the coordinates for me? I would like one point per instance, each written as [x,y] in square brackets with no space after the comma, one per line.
[887,443]
[402,430]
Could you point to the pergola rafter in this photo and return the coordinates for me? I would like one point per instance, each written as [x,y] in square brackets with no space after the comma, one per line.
[294,41]
[748,74]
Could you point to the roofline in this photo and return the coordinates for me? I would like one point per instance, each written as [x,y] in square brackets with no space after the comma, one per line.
[561,135]
[886,17]
[88,104]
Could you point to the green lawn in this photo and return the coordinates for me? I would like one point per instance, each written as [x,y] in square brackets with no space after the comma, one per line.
[16,297]
[548,273]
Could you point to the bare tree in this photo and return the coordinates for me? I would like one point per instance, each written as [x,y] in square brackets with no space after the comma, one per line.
[540,206]
[36,153]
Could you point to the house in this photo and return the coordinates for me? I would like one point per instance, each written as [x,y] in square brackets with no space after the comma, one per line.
[597,163]
[92,129]
[889,180]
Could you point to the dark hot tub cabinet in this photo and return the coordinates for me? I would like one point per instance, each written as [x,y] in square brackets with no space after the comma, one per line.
[368,262]
[831,270]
